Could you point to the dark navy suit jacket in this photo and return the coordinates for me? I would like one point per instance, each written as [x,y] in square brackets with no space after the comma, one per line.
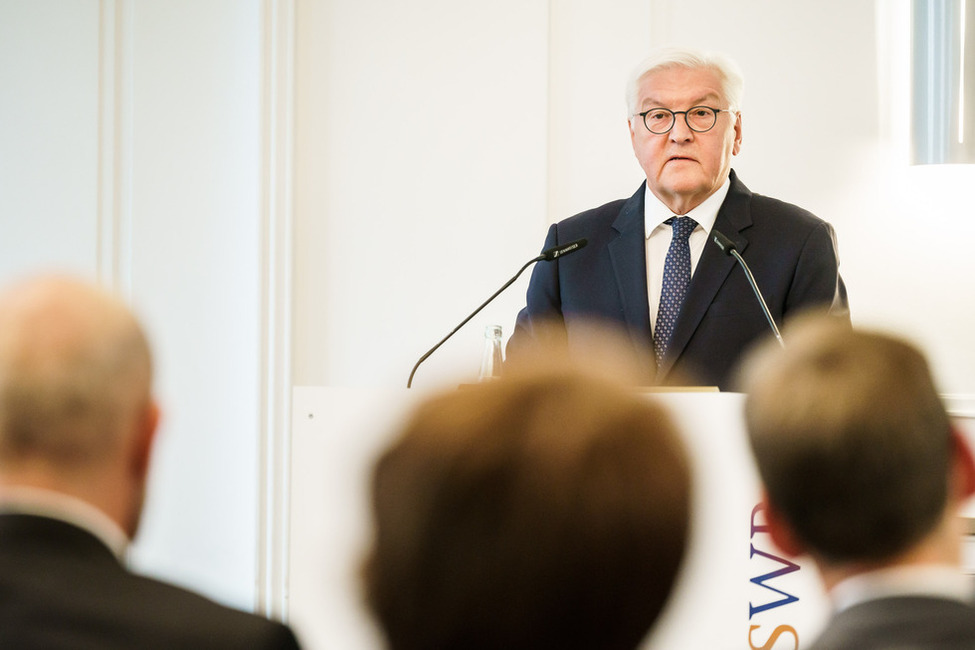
[914,622]
[62,588]
[791,252]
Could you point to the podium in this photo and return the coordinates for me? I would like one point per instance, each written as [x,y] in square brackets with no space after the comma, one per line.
[735,590]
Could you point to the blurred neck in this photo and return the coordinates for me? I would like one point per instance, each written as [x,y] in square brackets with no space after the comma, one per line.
[100,485]
[941,547]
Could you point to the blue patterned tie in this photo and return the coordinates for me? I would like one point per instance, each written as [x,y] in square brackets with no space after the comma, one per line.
[677,275]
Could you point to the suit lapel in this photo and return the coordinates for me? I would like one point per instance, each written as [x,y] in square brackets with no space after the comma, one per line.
[712,269]
[628,253]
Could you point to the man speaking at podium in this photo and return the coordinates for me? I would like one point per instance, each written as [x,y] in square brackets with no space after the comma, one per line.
[649,267]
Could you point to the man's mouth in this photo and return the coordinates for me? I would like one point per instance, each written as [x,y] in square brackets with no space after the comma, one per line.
[677,158]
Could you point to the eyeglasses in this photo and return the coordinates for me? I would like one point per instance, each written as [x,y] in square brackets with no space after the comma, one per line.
[698,118]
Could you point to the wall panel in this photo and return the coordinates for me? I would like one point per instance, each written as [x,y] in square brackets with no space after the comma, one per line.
[420,180]
[48,141]
[130,153]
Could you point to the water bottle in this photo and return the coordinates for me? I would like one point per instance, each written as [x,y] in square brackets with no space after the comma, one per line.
[491,360]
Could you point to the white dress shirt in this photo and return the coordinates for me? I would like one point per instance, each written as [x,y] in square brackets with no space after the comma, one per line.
[938,581]
[659,234]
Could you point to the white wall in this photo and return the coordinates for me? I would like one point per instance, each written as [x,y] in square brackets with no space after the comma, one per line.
[129,153]
[195,277]
[48,135]
[420,156]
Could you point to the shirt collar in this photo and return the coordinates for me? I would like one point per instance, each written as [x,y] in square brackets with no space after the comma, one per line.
[937,581]
[71,510]
[655,212]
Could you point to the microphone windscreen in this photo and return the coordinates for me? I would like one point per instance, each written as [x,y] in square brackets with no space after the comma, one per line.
[722,242]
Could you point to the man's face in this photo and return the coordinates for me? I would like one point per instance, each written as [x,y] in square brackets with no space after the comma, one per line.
[684,167]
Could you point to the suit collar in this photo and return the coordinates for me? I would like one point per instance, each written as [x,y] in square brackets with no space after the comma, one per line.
[53,536]
[630,216]
[628,254]
[735,215]
[66,508]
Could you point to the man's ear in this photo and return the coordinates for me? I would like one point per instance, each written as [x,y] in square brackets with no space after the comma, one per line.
[963,466]
[145,436]
[780,531]
[737,146]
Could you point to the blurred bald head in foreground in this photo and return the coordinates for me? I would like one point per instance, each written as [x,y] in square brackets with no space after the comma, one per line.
[76,414]
[546,509]
[77,423]
[864,472]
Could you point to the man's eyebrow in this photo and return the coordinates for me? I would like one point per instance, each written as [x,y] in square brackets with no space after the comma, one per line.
[650,102]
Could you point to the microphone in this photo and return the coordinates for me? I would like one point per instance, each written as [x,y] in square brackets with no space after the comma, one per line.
[728,248]
[546,255]
[558,251]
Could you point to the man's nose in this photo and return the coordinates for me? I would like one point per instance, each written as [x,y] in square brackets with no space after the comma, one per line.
[680,131]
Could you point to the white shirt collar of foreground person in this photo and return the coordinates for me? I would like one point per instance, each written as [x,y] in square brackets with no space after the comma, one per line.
[55,505]
[933,581]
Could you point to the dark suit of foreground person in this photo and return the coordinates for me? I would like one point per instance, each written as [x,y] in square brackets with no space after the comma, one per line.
[864,473]
[77,424]
[617,278]
[544,511]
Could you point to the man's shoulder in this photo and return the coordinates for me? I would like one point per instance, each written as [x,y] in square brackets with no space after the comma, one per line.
[763,205]
[199,616]
[605,212]
[73,583]
[914,621]
[605,215]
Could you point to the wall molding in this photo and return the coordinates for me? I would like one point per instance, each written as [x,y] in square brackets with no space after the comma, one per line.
[960,405]
[277,25]
[114,193]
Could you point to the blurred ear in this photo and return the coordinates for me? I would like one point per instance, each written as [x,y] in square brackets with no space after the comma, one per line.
[780,531]
[963,466]
[144,439]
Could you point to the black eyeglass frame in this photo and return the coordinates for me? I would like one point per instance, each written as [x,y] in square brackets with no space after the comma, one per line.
[673,118]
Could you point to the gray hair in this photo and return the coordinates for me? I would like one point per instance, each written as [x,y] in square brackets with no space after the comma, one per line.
[732,81]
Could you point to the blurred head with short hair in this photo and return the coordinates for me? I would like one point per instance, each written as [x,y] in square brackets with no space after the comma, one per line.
[857,455]
[547,509]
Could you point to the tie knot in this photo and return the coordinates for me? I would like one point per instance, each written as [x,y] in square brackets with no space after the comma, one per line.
[683,226]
